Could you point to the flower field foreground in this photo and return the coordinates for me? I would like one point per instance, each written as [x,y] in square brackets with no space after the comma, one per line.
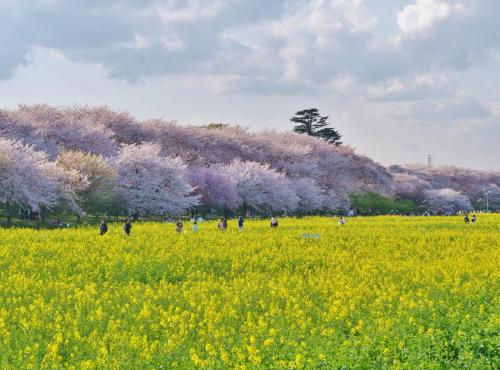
[381,292]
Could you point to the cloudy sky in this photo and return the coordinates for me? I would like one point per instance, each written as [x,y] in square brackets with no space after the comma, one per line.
[400,78]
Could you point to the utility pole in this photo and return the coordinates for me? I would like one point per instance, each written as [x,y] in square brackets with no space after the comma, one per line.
[429,161]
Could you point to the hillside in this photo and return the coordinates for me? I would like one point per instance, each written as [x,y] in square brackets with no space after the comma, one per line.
[226,167]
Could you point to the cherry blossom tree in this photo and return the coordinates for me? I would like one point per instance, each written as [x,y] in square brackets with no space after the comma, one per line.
[98,194]
[24,177]
[71,184]
[413,180]
[261,188]
[216,189]
[151,184]
[408,185]
[212,151]
[53,130]
[447,200]
[311,196]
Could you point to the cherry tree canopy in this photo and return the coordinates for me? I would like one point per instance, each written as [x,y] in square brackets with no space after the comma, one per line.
[99,175]
[216,189]
[25,176]
[150,164]
[152,184]
[311,196]
[447,200]
[261,188]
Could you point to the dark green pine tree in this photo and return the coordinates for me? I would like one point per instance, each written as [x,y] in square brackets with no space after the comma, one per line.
[310,122]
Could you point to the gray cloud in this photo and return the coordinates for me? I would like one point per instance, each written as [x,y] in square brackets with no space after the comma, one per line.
[313,41]
[446,111]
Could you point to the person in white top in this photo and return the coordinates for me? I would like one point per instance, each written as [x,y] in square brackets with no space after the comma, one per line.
[274,222]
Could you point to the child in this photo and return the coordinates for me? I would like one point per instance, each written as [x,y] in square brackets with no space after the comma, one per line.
[240,223]
[274,222]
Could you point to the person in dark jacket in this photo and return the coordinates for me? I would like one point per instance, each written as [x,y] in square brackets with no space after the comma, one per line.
[103,227]
[178,226]
[241,221]
[127,226]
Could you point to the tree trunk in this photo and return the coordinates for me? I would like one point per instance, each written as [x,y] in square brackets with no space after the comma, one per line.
[42,215]
[9,215]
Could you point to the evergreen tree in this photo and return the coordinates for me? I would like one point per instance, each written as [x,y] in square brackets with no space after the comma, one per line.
[310,122]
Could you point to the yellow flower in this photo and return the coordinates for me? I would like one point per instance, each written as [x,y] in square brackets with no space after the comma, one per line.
[268,341]
[252,299]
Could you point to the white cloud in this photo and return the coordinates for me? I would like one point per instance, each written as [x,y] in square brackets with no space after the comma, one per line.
[417,20]
[341,84]
[216,84]
[172,43]
[423,86]
[265,43]
[358,16]
[495,108]
[139,42]
[172,11]
[445,111]
[290,55]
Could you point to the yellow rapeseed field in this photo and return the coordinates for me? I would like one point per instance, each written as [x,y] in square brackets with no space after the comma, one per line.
[381,292]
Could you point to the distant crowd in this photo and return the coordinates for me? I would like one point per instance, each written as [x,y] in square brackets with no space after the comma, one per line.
[468,218]
[223,223]
[179,225]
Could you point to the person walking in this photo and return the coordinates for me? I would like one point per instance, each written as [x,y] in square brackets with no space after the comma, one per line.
[195,225]
[103,227]
[178,226]
[241,221]
[127,226]
[274,222]
[473,219]
[466,218]
[223,224]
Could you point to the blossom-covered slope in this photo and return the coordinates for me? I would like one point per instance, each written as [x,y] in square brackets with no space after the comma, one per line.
[227,167]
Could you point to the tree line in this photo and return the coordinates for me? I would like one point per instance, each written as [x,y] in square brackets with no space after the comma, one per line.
[94,160]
